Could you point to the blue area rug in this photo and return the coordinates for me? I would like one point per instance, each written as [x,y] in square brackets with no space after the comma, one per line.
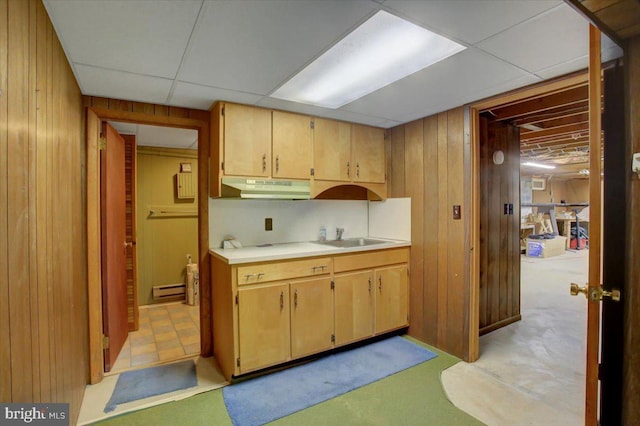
[267,398]
[139,384]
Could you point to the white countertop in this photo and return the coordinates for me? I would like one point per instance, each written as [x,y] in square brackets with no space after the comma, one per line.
[296,250]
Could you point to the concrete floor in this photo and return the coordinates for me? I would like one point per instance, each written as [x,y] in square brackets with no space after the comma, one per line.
[533,371]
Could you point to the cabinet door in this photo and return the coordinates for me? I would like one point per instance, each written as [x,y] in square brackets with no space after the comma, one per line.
[368,153]
[332,150]
[247,141]
[311,316]
[354,300]
[263,326]
[391,298]
[291,146]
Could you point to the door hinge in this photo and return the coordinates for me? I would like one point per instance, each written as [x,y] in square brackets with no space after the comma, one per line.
[222,111]
[105,342]
[238,362]
[312,124]
[333,285]
[236,299]
[103,143]
[222,166]
[313,171]
[333,338]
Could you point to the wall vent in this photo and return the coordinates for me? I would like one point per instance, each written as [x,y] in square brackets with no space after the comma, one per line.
[538,184]
[168,291]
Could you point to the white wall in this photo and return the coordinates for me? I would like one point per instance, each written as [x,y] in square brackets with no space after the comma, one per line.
[296,221]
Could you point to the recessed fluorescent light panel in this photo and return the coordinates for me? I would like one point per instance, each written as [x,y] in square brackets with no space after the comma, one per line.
[379,52]
[538,165]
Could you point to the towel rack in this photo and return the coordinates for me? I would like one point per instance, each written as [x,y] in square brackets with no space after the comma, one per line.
[158,212]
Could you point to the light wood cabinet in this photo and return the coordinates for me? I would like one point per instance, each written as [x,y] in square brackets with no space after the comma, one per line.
[291,146]
[263,326]
[311,316]
[354,306]
[332,150]
[247,141]
[267,313]
[348,152]
[367,144]
[391,298]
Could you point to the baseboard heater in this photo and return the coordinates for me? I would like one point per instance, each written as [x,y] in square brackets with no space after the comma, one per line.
[168,291]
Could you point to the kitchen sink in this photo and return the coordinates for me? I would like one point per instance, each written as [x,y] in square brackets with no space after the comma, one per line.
[351,242]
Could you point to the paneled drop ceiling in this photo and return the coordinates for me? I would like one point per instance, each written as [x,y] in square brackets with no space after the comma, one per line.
[191,53]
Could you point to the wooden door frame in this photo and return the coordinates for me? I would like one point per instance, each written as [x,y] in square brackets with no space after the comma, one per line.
[94,277]
[472,181]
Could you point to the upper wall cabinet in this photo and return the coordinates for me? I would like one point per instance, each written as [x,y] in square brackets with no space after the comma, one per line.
[348,152]
[246,144]
[291,155]
[367,144]
[332,150]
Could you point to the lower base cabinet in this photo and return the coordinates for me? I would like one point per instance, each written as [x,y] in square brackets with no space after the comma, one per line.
[311,317]
[263,326]
[268,313]
[354,296]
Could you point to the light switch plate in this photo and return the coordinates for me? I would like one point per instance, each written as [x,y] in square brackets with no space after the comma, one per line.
[635,163]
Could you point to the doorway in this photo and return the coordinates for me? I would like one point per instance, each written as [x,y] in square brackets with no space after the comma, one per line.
[99,110]
[162,233]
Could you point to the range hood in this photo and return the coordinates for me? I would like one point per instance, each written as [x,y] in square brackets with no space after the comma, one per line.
[265,189]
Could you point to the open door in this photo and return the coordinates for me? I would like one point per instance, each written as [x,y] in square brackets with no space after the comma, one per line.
[594,290]
[114,245]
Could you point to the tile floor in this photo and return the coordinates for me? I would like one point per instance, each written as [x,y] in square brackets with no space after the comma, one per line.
[167,332]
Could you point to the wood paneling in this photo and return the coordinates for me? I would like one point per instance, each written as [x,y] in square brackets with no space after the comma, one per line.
[631,300]
[43,314]
[132,257]
[499,232]
[427,158]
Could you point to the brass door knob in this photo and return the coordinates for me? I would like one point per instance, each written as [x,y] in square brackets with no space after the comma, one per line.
[575,290]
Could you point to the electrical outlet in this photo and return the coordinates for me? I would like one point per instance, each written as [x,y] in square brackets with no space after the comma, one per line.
[635,163]
[268,224]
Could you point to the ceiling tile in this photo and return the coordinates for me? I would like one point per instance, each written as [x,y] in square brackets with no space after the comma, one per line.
[453,82]
[550,39]
[254,45]
[470,21]
[122,85]
[145,37]
[189,95]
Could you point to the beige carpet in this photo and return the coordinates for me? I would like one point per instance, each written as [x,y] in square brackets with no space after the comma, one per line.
[96,396]
[531,372]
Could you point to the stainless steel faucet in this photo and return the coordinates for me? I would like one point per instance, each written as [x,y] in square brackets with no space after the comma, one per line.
[339,232]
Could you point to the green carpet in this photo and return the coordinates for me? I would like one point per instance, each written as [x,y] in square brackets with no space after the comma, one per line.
[411,397]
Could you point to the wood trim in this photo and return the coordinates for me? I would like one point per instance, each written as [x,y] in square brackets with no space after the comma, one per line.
[128,112]
[538,89]
[500,324]
[472,256]
[595,226]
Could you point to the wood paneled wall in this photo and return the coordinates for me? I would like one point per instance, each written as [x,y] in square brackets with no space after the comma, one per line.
[499,230]
[631,367]
[43,314]
[426,162]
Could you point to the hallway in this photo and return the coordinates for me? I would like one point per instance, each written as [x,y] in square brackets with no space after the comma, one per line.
[532,371]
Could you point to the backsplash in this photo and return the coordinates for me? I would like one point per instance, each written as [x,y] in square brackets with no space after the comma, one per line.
[295,221]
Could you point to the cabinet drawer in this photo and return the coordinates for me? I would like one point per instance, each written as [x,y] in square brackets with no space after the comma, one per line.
[371,259]
[265,272]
